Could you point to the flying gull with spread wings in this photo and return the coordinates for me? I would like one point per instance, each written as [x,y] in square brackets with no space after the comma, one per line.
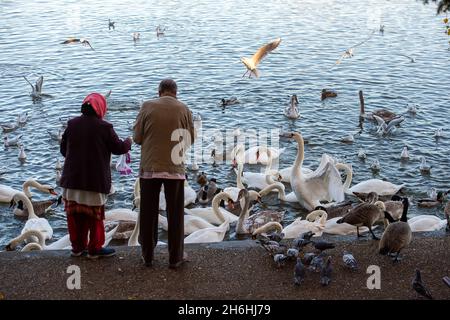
[252,62]
[83,41]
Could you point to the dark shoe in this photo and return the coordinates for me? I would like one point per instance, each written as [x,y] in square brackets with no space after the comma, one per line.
[78,254]
[103,252]
[147,264]
[179,263]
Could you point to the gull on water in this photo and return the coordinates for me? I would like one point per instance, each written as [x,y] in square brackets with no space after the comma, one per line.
[36,89]
[252,62]
[136,36]
[11,142]
[405,153]
[22,154]
[384,128]
[424,166]
[22,118]
[83,41]
[439,133]
[375,165]
[362,154]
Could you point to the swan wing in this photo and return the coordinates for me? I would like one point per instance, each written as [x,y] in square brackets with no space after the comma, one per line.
[394,122]
[335,185]
[264,50]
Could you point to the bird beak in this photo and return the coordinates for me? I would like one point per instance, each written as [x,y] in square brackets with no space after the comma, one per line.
[52,192]
[231,204]
[12,203]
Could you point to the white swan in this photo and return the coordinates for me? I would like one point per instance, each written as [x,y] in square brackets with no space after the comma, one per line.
[291,111]
[33,222]
[6,193]
[331,227]
[121,214]
[314,222]
[61,244]
[255,180]
[426,222]
[382,188]
[214,214]
[215,234]
[286,173]
[323,184]
[256,154]
[191,223]
[33,183]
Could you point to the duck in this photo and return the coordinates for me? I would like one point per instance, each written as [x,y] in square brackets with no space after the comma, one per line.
[405,154]
[40,207]
[228,102]
[61,244]
[323,184]
[328,94]
[314,222]
[397,235]
[33,222]
[424,167]
[207,192]
[291,111]
[248,224]
[214,214]
[11,142]
[382,188]
[365,215]
[202,179]
[432,201]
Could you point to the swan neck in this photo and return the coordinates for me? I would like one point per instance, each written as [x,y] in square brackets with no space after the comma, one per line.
[239,183]
[133,241]
[215,205]
[300,154]
[242,215]
[268,226]
[28,204]
[349,174]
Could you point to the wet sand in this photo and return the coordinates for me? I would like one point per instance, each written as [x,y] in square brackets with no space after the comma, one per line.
[228,270]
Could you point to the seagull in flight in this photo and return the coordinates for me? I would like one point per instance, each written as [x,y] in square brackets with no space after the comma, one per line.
[350,51]
[83,41]
[252,62]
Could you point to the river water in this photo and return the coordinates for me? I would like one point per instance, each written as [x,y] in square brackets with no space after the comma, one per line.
[200,50]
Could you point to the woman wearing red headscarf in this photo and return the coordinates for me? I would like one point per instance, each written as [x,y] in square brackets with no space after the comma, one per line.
[87,144]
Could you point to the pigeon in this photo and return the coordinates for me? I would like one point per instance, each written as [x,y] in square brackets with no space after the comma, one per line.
[317,262]
[325,273]
[419,287]
[292,253]
[323,245]
[300,243]
[349,260]
[299,272]
[279,259]
[308,257]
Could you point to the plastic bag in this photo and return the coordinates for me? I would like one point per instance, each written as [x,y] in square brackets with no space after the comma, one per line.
[122,164]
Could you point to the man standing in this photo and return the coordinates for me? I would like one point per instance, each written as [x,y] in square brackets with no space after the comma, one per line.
[165,130]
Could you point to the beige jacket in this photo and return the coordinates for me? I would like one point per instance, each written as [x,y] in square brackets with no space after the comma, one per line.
[155,128]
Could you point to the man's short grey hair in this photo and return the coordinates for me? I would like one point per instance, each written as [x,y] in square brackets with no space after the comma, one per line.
[168,85]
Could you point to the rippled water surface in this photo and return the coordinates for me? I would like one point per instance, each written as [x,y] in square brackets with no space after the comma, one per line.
[201,49]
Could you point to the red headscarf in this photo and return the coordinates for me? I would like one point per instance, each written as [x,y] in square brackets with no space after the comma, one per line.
[98,103]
